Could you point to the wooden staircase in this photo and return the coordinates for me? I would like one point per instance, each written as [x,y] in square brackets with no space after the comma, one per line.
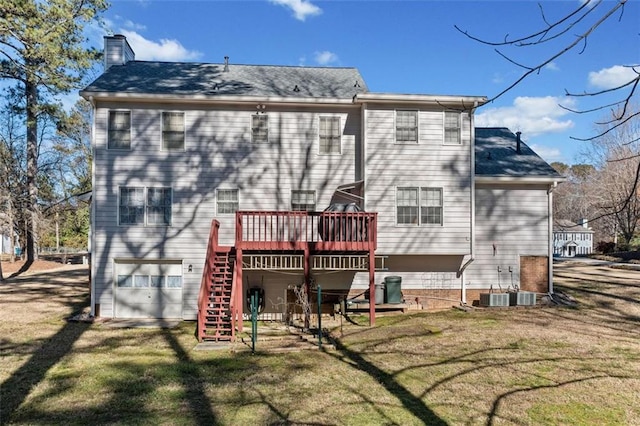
[217,317]
[215,301]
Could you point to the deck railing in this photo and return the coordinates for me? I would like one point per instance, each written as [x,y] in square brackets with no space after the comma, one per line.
[295,230]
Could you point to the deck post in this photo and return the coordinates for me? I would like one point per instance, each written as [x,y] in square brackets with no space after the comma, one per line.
[373,238]
[239,302]
[372,288]
[307,281]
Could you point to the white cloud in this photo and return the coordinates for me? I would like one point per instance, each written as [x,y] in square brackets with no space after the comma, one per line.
[134,26]
[325,57]
[615,76]
[164,50]
[301,8]
[552,66]
[529,115]
[549,154]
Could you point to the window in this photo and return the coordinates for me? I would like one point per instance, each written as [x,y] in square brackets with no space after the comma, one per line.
[134,207]
[131,206]
[303,200]
[419,206]
[452,127]
[329,130]
[431,206]
[406,126]
[227,201]
[119,132]
[260,128]
[159,206]
[172,130]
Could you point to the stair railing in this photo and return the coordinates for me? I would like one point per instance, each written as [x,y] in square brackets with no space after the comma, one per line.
[207,274]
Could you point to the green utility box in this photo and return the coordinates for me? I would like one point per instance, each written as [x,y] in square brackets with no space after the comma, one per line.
[393,288]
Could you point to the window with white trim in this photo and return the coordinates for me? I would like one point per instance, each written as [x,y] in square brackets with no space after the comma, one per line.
[173,131]
[452,127]
[419,206]
[227,201]
[131,206]
[303,200]
[330,132]
[145,206]
[406,126]
[119,130]
[260,128]
[158,206]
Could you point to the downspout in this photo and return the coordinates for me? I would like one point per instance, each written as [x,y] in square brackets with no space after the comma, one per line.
[92,214]
[472,230]
[550,234]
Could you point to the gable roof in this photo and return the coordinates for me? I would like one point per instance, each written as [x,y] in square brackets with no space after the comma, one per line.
[566,225]
[496,156]
[211,80]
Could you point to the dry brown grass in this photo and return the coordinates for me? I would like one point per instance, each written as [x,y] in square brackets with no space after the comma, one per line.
[516,366]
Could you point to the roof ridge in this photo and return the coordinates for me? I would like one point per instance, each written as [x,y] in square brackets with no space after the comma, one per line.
[244,65]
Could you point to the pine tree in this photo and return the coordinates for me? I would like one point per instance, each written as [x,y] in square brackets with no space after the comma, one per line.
[43,49]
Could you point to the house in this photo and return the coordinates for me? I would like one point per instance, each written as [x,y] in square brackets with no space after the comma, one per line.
[210,181]
[572,239]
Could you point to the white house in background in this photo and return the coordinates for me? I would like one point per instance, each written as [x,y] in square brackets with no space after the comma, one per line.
[572,239]
[263,150]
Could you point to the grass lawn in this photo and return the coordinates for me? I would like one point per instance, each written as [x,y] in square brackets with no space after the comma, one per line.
[523,366]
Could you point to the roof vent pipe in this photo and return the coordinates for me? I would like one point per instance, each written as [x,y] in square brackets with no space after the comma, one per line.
[226,64]
[518,142]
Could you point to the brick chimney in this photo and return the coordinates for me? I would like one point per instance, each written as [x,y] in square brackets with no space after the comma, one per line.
[117,51]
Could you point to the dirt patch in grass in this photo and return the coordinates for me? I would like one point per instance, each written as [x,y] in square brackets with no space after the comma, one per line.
[523,366]
[9,268]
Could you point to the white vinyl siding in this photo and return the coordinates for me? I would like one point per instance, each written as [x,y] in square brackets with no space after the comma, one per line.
[452,127]
[134,206]
[428,164]
[227,201]
[303,200]
[221,156]
[119,130]
[511,221]
[173,133]
[329,135]
[406,126]
[260,128]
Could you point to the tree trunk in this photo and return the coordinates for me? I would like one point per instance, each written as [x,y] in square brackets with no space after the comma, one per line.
[31,90]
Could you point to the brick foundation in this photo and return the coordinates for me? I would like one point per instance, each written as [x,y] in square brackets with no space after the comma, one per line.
[534,274]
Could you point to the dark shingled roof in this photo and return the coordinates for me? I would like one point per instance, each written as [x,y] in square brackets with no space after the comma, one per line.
[170,78]
[496,156]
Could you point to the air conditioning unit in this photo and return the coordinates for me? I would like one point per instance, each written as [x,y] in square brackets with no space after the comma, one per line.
[522,298]
[494,299]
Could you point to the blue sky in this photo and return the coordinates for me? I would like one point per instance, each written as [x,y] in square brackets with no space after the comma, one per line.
[403,47]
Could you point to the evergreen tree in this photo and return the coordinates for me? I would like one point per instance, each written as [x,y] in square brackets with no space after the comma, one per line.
[43,49]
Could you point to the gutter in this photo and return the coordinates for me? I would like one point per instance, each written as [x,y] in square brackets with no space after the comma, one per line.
[550,234]
[92,213]
[472,230]
[198,98]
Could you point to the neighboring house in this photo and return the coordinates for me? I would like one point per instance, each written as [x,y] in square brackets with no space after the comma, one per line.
[572,239]
[6,240]
[263,150]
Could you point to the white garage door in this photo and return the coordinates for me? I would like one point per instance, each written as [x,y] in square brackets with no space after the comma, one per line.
[148,289]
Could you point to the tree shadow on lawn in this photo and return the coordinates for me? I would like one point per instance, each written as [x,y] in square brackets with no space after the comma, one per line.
[412,403]
[19,385]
